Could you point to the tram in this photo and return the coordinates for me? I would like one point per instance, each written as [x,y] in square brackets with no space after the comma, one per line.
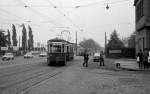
[59,51]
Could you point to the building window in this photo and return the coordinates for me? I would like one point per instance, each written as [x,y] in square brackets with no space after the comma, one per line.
[139,11]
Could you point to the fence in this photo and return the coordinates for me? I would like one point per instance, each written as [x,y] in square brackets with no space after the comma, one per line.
[121,53]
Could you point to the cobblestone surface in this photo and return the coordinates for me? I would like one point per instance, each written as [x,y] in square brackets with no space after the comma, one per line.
[93,80]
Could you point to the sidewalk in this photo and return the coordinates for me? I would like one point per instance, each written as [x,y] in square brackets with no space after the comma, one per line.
[130,65]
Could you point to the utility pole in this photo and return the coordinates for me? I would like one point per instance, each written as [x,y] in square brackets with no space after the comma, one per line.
[76,43]
[105,44]
[19,42]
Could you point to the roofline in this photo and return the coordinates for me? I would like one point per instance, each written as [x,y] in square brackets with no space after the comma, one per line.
[135,2]
[58,40]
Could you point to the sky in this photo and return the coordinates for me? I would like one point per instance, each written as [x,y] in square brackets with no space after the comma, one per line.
[64,18]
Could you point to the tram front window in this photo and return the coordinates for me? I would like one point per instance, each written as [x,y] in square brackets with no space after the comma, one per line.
[56,48]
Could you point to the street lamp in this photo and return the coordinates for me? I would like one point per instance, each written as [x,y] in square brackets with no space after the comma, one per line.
[77,40]
[76,43]
[77,6]
[107,7]
[105,44]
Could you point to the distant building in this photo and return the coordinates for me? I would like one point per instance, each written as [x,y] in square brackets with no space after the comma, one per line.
[131,41]
[142,8]
[125,42]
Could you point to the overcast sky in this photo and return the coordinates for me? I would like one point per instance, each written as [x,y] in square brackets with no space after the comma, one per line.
[89,18]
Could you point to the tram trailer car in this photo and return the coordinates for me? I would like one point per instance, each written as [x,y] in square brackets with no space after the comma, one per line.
[59,51]
[70,51]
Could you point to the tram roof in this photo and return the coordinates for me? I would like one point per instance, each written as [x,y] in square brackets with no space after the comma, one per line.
[57,40]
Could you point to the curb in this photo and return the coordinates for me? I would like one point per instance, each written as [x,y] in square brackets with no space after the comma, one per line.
[129,69]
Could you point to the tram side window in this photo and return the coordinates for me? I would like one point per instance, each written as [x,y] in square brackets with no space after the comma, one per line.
[71,49]
[48,48]
[67,48]
[63,48]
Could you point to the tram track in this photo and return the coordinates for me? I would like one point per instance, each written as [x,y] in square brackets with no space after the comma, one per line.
[19,78]
[43,80]
[19,69]
[14,79]
[29,81]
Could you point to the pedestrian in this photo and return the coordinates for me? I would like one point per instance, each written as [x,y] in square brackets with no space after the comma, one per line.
[86,58]
[145,59]
[101,60]
[137,59]
[140,56]
[148,59]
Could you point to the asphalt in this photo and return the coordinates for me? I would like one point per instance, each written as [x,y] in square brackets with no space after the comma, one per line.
[19,60]
[125,64]
[130,65]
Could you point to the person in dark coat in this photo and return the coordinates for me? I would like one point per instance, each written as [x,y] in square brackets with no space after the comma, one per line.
[140,55]
[86,58]
[101,60]
[145,59]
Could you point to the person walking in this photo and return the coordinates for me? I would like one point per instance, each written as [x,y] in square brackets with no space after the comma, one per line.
[140,56]
[86,58]
[148,59]
[145,59]
[101,60]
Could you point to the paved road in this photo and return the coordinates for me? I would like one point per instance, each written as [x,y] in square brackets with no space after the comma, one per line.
[38,78]
[19,60]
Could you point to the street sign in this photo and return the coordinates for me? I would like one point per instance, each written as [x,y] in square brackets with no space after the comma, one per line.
[115,51]
[4,48]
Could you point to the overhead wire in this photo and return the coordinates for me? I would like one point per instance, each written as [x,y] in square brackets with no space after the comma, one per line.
[18,18]
[86,5]
[9,21]
[64,15]
[5,16]
[42,15]
[9,5]
[103,2]
[36,12]
[56,7]
[92,4]
[119,1]
[10,13]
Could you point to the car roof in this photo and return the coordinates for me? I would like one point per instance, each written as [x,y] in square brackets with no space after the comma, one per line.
[9,53]
[43,52]
[29,53]
[96,54]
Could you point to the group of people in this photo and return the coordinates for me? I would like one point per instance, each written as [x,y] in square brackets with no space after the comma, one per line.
[142,59]
[86,58]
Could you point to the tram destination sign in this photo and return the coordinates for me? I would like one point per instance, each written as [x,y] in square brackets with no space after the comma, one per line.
[4,48]
[56,43]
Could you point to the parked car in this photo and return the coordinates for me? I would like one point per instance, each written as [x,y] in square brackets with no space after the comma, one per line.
[35,52]
[43,54]
[8,56]
[28,55]
[96,57]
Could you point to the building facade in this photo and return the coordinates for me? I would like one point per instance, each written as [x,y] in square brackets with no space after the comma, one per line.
[142,9]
